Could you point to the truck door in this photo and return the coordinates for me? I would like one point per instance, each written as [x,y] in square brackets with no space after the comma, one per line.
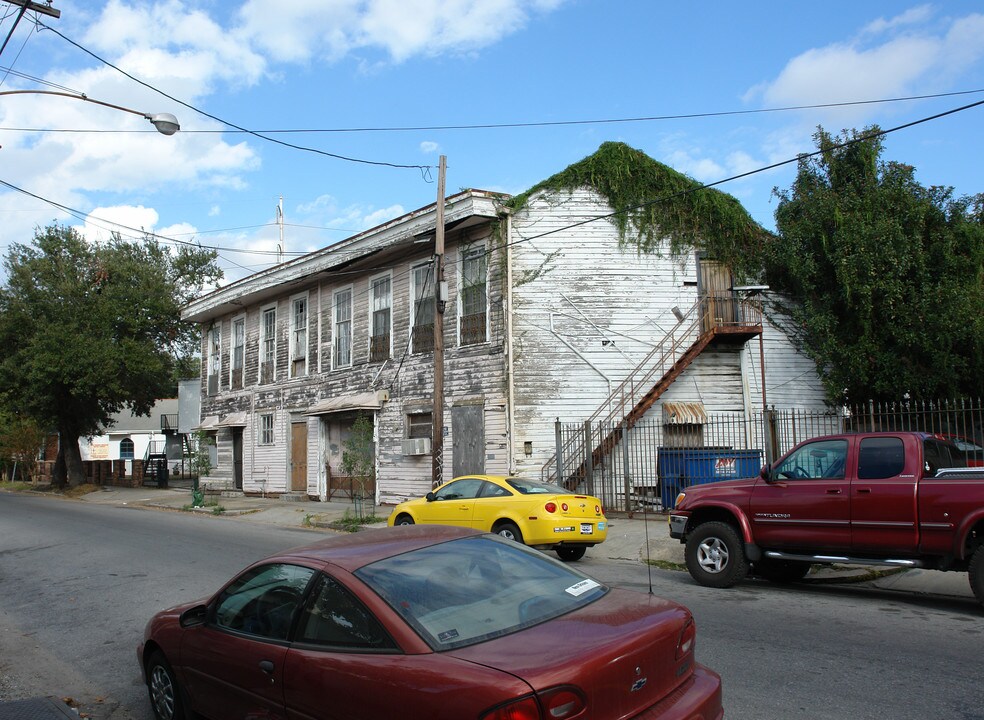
[883,496]
[807,506]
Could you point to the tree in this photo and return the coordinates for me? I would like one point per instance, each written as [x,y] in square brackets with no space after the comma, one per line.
[21,440]
[887,276]
[88,329]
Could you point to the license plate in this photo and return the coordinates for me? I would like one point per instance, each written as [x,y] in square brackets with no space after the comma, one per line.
[587,528]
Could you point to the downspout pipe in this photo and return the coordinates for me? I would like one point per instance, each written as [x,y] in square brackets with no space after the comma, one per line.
[506,215]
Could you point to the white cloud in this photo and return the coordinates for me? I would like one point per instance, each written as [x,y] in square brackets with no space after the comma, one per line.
[302,29]
[908,56]
[429,147]
[128,220]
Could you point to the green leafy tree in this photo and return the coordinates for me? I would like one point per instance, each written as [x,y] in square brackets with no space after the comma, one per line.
[358,454]
[90,329]
[887,276]
[21,440]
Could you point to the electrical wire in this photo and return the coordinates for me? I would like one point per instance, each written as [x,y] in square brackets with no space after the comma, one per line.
[424,169]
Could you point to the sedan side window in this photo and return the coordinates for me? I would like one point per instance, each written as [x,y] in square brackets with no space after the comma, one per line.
[822,459]
[465,489]
[262,601]
[335,617]
[491,490]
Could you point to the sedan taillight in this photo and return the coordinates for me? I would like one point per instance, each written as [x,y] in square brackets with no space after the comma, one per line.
[687,639]
[550,507]
[561,703]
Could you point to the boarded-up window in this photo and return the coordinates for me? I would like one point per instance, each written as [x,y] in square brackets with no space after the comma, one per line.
[474,296]
[266,429]
[419,425]
[422,300]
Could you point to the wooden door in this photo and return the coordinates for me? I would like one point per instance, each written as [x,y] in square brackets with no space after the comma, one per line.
[298,456]
[468,440]
[714,287]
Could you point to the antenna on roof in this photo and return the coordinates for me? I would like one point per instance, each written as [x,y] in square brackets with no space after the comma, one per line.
[280,222]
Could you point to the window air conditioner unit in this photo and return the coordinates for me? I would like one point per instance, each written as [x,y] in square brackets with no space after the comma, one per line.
[417,446]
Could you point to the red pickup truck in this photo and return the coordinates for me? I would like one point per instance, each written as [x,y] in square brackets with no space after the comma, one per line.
[871,498]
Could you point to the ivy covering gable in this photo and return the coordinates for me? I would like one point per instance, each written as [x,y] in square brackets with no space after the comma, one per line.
[653,203]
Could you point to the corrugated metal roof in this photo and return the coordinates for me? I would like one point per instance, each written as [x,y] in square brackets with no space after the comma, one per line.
[684,413]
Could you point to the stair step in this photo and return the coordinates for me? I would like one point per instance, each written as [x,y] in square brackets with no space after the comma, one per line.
[294,496]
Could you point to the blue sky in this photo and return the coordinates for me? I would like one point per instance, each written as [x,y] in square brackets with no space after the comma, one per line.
[333,65]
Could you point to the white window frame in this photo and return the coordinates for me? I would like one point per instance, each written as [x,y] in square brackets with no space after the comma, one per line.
[214,363]
[295,331]
[264,339]
[237,343]
[266,435]
[373,309]
[478,249]
[428,272]
[335,322]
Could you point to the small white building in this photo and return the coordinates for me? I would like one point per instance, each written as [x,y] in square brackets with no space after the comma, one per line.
[551,313]
[135,437]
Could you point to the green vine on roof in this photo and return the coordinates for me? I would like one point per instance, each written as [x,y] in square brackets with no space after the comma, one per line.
[654,202]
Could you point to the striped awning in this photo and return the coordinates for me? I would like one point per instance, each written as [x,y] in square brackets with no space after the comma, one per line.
[684,413]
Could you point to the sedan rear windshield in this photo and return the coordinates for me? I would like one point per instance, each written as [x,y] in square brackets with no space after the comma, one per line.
[532,487]
[474,589]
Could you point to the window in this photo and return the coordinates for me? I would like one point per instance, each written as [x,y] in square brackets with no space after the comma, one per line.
[298,337]
[822,459]
[879,458]
[473,312]
[266,429]
[419,425]
[464,489]
[268,345]
[263,601]
[336,617]
[238,351]
[422,307]
[126,449]
[342,329]
[214,358]
[381,297]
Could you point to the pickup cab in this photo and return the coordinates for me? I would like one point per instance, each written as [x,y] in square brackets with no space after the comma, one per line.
[870,498]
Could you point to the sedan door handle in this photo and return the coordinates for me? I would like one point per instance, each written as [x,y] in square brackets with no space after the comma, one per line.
[833,491]
[864,491]
[266,666]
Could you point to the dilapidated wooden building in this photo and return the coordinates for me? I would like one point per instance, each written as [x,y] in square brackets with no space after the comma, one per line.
[555,308]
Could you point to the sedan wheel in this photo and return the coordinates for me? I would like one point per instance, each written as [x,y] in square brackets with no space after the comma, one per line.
[404,520]
[163,688]
[569,554]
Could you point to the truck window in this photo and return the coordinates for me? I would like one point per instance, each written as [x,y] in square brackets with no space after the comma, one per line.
[880,457]
[938,454]
[821,459]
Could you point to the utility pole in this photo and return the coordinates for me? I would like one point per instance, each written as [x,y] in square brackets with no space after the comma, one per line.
[24,6]
[440,302]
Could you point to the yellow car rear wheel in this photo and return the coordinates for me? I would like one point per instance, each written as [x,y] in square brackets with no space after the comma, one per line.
[508,531]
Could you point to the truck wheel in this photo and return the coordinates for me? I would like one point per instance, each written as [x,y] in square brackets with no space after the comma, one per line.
[716,556]
[782,571]
[976,574]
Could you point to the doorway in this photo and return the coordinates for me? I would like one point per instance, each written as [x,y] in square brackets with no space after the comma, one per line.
[468,440]
[717,304]
[298,456]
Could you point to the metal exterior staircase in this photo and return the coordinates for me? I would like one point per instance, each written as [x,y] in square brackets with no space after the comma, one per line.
[711,319]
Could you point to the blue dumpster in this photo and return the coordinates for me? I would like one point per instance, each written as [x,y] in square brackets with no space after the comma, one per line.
[679,468]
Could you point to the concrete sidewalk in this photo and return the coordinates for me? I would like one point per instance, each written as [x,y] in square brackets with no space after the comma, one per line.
[628,537]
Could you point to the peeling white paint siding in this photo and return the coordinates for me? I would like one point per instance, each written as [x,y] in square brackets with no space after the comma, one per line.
[586,313]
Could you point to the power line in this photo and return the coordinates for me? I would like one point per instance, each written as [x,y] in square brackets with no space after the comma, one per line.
[529,124]
[424,169]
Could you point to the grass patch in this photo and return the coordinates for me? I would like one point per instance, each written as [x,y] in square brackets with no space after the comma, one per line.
[353,523]
[18,486]
[666,565]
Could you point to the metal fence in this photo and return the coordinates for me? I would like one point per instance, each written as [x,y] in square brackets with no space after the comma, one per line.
[651,461]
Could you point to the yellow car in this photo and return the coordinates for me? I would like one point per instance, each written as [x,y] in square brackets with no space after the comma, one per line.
[535,513]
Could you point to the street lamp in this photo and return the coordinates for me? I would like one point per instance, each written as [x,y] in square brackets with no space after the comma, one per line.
[165,123]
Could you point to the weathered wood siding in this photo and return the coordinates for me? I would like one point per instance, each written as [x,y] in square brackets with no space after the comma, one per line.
[587,311]
[473,373]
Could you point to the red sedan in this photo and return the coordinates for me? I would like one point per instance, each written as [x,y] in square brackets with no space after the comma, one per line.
[428,622]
